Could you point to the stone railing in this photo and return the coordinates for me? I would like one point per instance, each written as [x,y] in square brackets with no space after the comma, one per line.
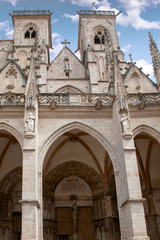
[80,99]
[31,12]
[12,99]
[60,99]
[92,12]
[75,99]
[144,99]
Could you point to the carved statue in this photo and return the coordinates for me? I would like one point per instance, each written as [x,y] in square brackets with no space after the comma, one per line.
[98,104]
[126,130]
[43,51]
[122,104]
[66,64]
[74,215]
[53,104]
[103,232]
[90,53]
[11,51]
[29,123]
[98,233]
[30,102]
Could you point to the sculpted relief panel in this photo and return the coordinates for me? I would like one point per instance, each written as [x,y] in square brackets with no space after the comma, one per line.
[73,186]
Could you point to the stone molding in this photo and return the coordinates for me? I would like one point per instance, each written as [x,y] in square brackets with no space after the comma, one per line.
[132,200]
[30,202]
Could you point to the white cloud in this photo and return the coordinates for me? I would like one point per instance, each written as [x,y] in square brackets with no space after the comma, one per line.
[156,2]
[126,48]
[74,18]
[9,34]
[78,55]
[105,5]
[56,35]
[13,2]
[119,34]
[54,20]
[57,46]
[7,31]
[4,25]
[55,51]
[146,67]
[132,11]
[82,3]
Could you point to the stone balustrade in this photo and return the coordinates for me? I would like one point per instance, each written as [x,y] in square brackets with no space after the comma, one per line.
[143,98]
[83,99]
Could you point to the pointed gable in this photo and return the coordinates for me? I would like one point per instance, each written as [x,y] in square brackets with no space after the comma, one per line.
[136,81]
[12,78]
[66,65]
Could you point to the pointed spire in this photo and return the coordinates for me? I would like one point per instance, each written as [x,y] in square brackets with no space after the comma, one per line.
[155,59]
[31,88]
[130,57]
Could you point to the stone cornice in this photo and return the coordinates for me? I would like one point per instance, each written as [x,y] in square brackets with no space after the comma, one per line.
[30,202]
[132,200]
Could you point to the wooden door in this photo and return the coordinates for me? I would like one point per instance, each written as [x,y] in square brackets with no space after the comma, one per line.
[64,222]
[85,225]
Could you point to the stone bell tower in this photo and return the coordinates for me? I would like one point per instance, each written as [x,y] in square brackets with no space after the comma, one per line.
[31,24]
[31,27]
[97,41]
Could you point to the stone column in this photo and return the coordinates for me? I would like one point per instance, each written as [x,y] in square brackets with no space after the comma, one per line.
[129,197]
[111,221]
[40,197]
[151,216]
[103,233]
[30,198]
[30,203]
[130,202]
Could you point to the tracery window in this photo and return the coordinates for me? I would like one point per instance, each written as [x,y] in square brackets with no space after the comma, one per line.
[99,37]
[30,33]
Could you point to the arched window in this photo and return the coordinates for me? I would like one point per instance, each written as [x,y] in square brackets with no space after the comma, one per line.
[27,34]
[33,34]
[99,37]
[30,33]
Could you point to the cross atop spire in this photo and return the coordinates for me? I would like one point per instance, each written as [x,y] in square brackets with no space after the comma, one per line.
[65,42]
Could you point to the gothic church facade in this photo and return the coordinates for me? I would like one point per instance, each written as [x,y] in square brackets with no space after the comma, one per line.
[79,140]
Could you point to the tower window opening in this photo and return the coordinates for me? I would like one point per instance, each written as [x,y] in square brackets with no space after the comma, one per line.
[27,34]
[67,74]
[30,33]
[103,39]
[33,34]
[99,37]
[97,40]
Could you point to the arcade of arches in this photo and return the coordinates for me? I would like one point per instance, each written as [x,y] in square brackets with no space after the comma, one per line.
[79,193]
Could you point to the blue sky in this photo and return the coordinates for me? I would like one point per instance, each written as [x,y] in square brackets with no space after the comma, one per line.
[138,17]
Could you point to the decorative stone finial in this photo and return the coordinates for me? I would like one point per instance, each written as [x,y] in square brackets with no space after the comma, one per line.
[130,56]
[155,59]
[11,51]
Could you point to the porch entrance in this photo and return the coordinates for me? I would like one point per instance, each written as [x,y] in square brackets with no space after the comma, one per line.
[71,225]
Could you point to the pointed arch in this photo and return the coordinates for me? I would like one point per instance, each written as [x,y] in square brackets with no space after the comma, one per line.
[10,129]
[85,128]
[30,30]
[100,34]
[144,129]
[10,180]
[68,88]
